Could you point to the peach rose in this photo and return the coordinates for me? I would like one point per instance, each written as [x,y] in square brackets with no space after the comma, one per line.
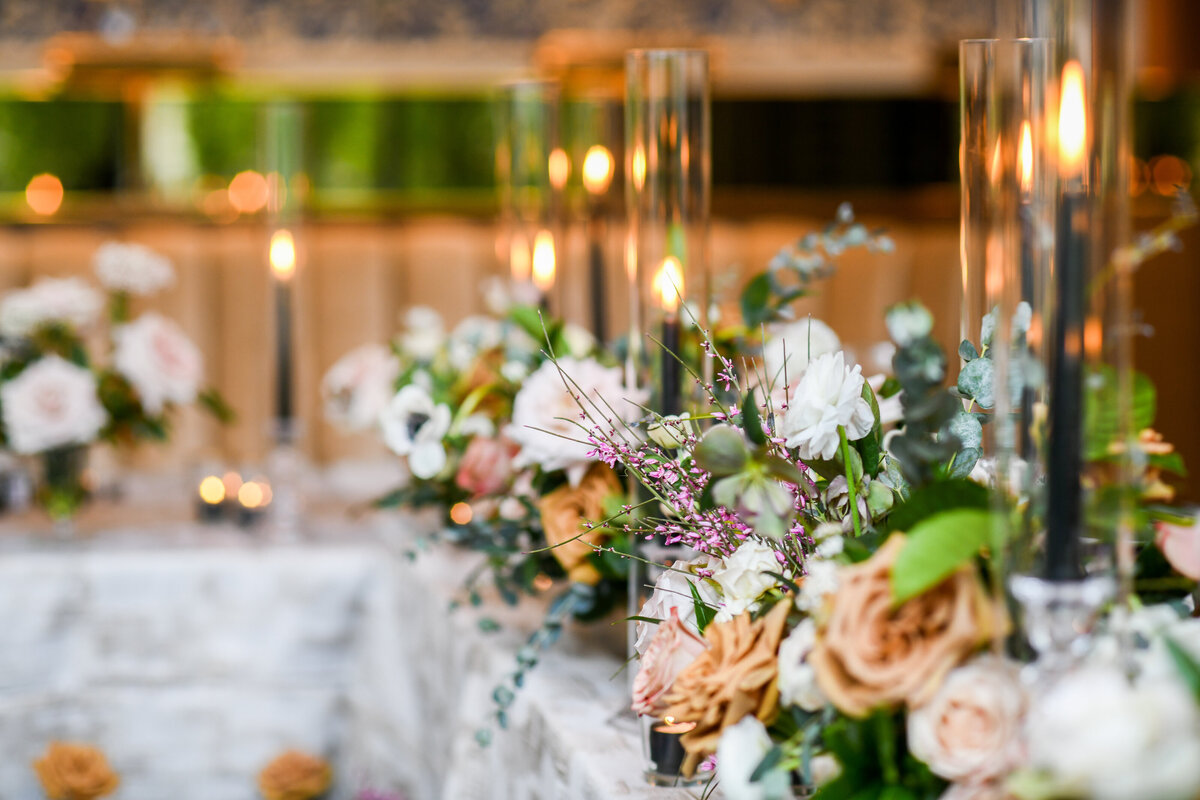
[970,731]
[564,512]
[673,648]
[870,653]
[732,679]
[75,772]
[1180,544]
[295,776]
[487,466]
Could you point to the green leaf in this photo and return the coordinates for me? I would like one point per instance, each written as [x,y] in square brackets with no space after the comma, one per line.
[936,548]
[640,618]
[751,421]
[215,404]
[1189,669]
[755,300]
[704,612]
[769,762]
[937,497]
[784,470]
[967,430]
[1169,462]
[722,451]
[977,381]
[967,351]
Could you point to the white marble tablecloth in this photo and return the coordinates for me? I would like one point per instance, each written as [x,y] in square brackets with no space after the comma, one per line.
[192,656]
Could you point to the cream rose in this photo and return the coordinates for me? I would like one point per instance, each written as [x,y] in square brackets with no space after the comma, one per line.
[743,577]
[52,403]
[673,648]
[871,654]
[159,361]
[970,730]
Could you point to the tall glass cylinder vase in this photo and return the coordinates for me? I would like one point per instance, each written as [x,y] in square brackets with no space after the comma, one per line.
[282,156]
[532,171]
[668,182]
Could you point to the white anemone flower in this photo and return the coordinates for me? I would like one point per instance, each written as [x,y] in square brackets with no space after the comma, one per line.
[414,427]
[828,397]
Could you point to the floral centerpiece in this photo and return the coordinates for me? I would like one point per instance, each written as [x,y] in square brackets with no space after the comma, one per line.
[69,771]
[61,391]
[836,620]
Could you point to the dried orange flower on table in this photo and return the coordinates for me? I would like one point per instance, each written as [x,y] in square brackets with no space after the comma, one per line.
[732,679]
[871,653]
[75,772]
[295,776]
[564,511]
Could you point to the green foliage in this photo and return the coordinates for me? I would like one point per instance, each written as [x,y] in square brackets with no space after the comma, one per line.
[936,547]
[926,448]
[791,273]
[936,497]
[875,761]
[704,612]
[1101,413]
[1185,664]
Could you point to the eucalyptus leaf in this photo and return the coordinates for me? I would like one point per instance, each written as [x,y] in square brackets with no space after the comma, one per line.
[722,451]
[977,381]
[967,430]
[967,351]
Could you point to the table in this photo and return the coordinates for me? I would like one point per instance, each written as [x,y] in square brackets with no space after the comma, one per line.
[193,655]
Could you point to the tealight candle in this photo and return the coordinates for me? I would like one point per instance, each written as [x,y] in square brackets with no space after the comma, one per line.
[211,499]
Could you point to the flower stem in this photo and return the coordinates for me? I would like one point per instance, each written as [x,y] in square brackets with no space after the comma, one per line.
[850,488]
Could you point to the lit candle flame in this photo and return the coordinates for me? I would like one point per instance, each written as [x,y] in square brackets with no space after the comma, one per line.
[518,258]
[543,260]
[668,284]
[597,169]
[559,167]
[1072,121]
[283,254]
[1025,157]
[637,166]
[212,490]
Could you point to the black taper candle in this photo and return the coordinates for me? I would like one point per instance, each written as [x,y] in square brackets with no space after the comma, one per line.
[596,273]
[670,365]
[283,351]
[1064,459]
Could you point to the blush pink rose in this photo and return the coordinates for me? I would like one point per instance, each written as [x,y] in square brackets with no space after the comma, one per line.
[673,649]
[1181,546]
[487,466]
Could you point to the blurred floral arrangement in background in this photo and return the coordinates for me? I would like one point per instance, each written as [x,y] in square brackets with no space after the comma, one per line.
[71,375]
[72,771]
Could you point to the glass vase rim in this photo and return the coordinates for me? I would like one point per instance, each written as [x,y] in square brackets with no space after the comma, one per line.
[666,52]
[980,40]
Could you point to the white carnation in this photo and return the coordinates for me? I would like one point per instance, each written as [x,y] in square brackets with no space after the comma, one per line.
[52,403]
[159,361]
[546,416]
[791,346]
[132,268]
[797,678]
[423,334]
[672,591]
[829,396]
[414,427]
[740,750]
[70,301]
[1097,735]
[743,578]
[359,385]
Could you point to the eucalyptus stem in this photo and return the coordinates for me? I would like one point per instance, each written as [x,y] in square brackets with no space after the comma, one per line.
[851,491]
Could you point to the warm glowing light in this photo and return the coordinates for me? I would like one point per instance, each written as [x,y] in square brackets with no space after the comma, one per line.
[251,495]
[248,192]
[1093,338]
[212,490]
[283,254]
[1025,157]
[997,164]
[560,168]
[637,166]
[1170,175]
[668,284]
[543,260]
[461,513]
[232,482]
[631,255]
[518,258]
[543,582]
[44,194]
[597,169]
[1072,121]
[1034,336]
